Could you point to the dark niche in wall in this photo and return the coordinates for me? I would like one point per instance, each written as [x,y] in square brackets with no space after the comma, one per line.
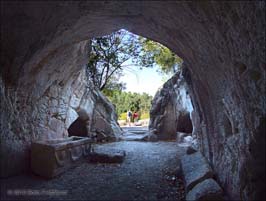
[184,123]
[78,128]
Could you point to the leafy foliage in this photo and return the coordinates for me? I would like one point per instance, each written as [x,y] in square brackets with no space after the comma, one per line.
[109,54]
[108,57]
[145,115]
[124,101]
[155,53]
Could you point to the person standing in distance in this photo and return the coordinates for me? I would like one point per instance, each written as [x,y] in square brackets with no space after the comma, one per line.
[129,115]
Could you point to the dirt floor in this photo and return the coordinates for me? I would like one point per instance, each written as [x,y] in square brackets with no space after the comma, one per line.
[149,172]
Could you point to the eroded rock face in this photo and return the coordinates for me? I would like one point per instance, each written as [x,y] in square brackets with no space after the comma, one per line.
[104,121]
[195,169]
[223,47]
[171,109]
[63,110]
[206,190]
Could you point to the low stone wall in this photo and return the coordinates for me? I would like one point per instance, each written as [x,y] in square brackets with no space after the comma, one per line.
[198,177]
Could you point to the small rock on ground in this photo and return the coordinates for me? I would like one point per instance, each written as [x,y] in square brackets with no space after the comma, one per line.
[107,157]
[190,150]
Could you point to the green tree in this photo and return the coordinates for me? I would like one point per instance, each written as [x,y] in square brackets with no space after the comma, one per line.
[127,100]
[156,53]
[109,54]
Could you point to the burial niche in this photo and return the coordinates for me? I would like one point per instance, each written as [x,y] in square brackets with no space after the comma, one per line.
[184,123]
[78,128]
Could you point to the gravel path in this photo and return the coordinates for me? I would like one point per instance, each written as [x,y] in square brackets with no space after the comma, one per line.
[147,173]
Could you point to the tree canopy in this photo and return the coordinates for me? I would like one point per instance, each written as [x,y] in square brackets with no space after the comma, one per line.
[155,53]
[108,58]
[124,101]
[109,54]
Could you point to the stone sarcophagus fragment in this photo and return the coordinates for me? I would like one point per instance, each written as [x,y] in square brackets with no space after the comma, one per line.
[52,157]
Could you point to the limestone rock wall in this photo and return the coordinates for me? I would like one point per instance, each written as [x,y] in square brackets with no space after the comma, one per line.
[104,118]
[26,118]
[223,48]
[37,108]
[170,111]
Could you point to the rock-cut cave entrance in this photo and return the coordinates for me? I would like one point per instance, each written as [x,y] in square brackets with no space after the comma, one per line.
[222,45]
[111,57]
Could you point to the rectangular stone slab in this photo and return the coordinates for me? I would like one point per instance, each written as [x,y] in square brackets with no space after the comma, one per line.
[52,157]
[195,169]
[206,190]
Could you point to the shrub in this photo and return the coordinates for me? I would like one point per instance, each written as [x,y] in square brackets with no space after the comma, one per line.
[123,116]
[145,115]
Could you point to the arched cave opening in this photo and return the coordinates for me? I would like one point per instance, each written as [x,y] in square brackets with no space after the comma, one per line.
[110,60]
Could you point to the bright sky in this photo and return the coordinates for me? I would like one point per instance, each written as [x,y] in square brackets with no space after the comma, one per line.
[145,80]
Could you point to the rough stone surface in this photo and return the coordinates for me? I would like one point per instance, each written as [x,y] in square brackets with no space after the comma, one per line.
[138,134]
[113,157]
[149,137]
[180,136]
[104,118]
[195,169]
[206,190]
[50,158]
[43,47]
[170,110]
[190,150]
[62,111]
